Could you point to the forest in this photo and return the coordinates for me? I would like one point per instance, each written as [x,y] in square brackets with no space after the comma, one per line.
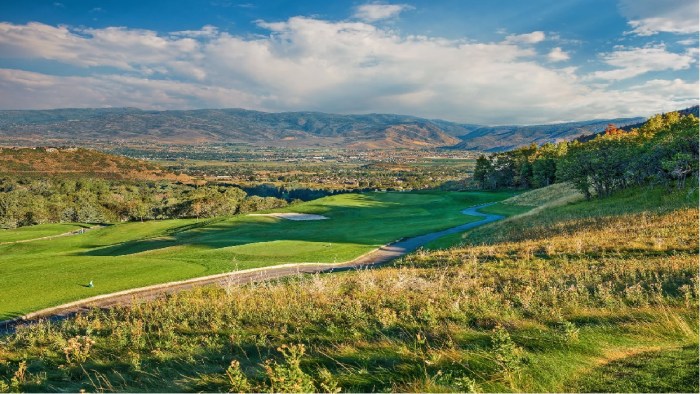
[662,151]
[25,201]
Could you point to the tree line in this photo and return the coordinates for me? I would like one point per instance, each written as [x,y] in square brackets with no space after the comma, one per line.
[664,150]
[26,201]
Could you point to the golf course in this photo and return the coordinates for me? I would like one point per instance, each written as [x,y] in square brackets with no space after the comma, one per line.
[41,269]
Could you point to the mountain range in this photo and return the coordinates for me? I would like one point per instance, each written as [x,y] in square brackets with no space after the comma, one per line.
[284,129]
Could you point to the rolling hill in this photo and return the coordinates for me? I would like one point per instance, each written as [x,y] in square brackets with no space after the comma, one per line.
[285,129]
[79,161]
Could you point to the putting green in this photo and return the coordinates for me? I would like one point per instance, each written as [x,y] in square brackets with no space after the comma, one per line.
[44,273]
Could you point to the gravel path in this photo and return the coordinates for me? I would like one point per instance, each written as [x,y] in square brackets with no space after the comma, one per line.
[374,258]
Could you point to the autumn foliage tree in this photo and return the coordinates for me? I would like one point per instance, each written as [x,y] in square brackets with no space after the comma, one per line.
[663,151]
[611,129]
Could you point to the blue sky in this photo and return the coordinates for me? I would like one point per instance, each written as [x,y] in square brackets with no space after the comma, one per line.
[461,60]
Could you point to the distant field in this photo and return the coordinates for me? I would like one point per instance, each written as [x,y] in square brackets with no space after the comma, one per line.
[43,273]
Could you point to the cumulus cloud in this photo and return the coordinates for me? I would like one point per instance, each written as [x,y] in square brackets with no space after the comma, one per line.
[557,55]
[675,88]
[313,64]
[377,11]
[649,17]
[37,90]
[689,42]
[631,62]
[646,98]
[528,38]
[116,47]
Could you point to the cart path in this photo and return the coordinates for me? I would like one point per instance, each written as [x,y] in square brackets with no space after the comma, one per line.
[373,258]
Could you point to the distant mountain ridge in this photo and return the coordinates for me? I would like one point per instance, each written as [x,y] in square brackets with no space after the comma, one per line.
[284,129]
[502,138]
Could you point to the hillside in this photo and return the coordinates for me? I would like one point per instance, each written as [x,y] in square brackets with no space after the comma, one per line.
[501,138]
[594,296]
[79,161]
[286,129]
[695,111]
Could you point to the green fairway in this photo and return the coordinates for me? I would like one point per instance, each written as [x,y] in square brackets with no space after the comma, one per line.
[43,273]
[39,231]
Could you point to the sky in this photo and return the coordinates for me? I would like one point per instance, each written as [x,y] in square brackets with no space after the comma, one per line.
[483,62]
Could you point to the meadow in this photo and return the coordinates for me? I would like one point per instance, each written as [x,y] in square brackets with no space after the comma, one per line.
[588,296]
[44,273]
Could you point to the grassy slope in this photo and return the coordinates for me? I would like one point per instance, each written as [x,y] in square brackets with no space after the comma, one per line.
[499,208]
[38,231]
[531,201]
[43,273]
[593,296]
[40,162]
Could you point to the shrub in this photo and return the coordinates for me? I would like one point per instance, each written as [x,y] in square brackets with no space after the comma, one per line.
[78,350]
[288,377]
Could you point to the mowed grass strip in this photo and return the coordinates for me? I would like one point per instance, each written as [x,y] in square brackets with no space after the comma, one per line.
[44,273]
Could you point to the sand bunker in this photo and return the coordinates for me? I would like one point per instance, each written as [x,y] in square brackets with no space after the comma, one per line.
[292,216]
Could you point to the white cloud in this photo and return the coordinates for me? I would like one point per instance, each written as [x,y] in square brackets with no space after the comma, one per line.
[673,88]
[206,31]
[688,42]
[528,38]
[631,62]
[557,55]
[35,90]
[312,64]
[649,17]
[643,99]
[117,47]
[377,11]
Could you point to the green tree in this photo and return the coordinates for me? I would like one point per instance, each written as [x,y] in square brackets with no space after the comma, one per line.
[482,170]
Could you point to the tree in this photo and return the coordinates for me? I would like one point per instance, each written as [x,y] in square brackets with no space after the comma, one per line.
[679,167]
[138,209]
[663,150]
[575,167]
[611,129]
[482,170]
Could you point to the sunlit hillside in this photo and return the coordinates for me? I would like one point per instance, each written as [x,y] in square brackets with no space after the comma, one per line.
[563,299]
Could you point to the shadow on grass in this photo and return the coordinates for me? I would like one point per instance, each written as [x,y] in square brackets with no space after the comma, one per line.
[204,370]
[667,371]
